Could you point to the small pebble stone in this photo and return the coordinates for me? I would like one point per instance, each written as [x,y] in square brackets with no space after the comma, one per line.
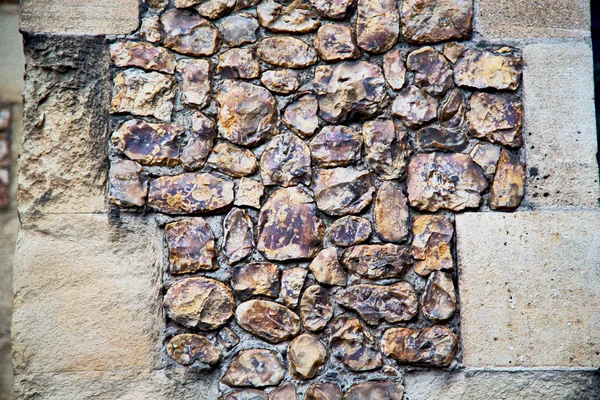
[377,25]
[249,193]
[287,391]
[394,69]
[433,21]
[228,338]
[336,146]
[432,346]
[387,148]
[281,81]
[301,115]
[323,391]
[214,9]
[508,188]
[315,308]
[342,191]
[285,161]
[375,390]
[391,213]
[375,261]
[286,52]
[297,17]
[483,69]
[432,238]
[438,301]
[486,155]
[326,268]
[197,86]
[200,143]
[495,118]
[432,72]
[333,9]
[142,55]
[232,160]
[415,107]
[239,29]
[186,32]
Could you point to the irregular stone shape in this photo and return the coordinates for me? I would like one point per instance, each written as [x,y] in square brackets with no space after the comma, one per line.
[292,282]
[186,32]
[127,186]
[228,339]
[142,55]
[249,193]
[391,213]
[432,237]
[342,191]
[444,181]
[183,3]
[232,160]
[197,82]
[246,394]
[199,303]
[287,52]
[239,29]
[375,303]
[315,308]
[255,279]
[287,391]
[285,161]
[143,93]
[238,241]
[5,118]
[190,193]
[348,231]
[148,144]
[486,155]
[432,72]
[335,42]
[336,146]
[452,51]
[256,368]
[438,301]
[394,69]
[377,261]
[508,188]
[150,29]
[377,25]
[387,148]
[483,69]
[323,391]
[333,9]
[354,345]
[452,111]
[247,113]
[350,89]
[238,63]
[327,269]
[242,4]
[281,81]
[200,143]
[5,153]
[301,115]
[433,21]
[434,346]
[297,17]
[375,390]
[306,354]
[288,226]
[496,118]
[191,246]
[433,138]
[214,9]
[188,348]
[414,106]
[268,320]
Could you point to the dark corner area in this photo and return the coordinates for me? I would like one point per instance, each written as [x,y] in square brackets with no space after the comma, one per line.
[596,46]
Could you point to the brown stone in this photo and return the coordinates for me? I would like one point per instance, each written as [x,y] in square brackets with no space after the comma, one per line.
[247,113]
[227,338]
[452,111]
[249,193]
[486,155]
[289,227]
[336,146]
[354,345]
[323,391]
[256,368]
[238,240]
[391,213]
[508,188]
[432,237]
[348,231]
[143,93]
[148,144]
[246,394]
[197,82]
[342,191]
[281,81]
[297,17]
[287,52]
[301,115]
[444,181]
[287,391]
[434,138]
[127,186]
[377,261]
[255,279]
[5,153]
[306,354]
[190,193]
[335,42]
[327,269]
[5,118]
[482,69]
[191,246]
[394,69]
[285,161]
[377,25]
[239,29]
[200,143]
[452,51]
[433,21]
[188,348]
[349,90]
[242,4]
[414,106]
[438,301]
[495,118]
[186,32]
[333,9]
[434,346]
[432,72]
[214,9]
[315,308]
[181,3]
[199,303]
[268,320]
[150,29]
[375,390]
[292,282]
[232,160]
[142,55]
[387,148]
[4,187]
[239,63]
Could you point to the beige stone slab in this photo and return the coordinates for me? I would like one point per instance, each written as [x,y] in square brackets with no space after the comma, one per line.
[81,17]
[86,294]
[529,285]
[11,54]
[560,129]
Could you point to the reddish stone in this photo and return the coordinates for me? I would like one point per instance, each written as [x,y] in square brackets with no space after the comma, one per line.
[268,320]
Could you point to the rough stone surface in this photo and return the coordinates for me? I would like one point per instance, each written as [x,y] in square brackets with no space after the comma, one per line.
[508,188]
[256,367]
[196,88]
[342,191]
[394,69]
[432,238]
[377,261]
[377,25]
[191,246]
[239,29]
[287,52]
[255,279]
[186,32]
[246,394]
[238,63]
[482,70]
[375,390]
[301,115]
[127,186]
[434,138]
[333,9]
[227,338]
[326,268]
[150,29]
[323,391]
[348,231]
[214,9]
[292,282]
[306,354]
[495,118]
[335,42]
[432,73]
[238,235]
[232,160]
[285,161]
[315,308]
[432,21]
[438,301]
[296,17]
[452,51]
[336,146]
[414,106]
[287,391]
[249,193]
[486,155]
[390,213]
[434,346]
[194,153]
[142,55]
[268,320]
[189,348]
[452,111]
[281,81]
[386,147]
[354,345]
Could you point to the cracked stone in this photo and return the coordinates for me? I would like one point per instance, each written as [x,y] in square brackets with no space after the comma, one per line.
[452,111]
[232,160]
[348,231]
[292,282]
[333,9]
[326,268]
[434,138]
[342,191]
[287,391]
[191,246]
[297,17]
[354,345]
[186,32]
[142,55]
[434,21]
[433,346]
[394,69]
[301,115]
[414,106]
[306,355]
[377,25]
[246,394]
[238,30]
[197,78]
[255,279]
[438,301]
[387,148]
[268,320]
[482,69]
[249,193]
[496,118]
[336,146]
[148,144]
[377,261]
[391,213]
[239,63]
[323,391]
[238,240]
[150,29]
[452,51]
[127,186]
[228,339]
[281,81]
[375,390]
[486,155]
[335,42]
[200,143]
[315,308]
[214,9]
[285,161]
[188,348]
[432,238]
[508,188]
[432,72]
[286,52]
[255,368]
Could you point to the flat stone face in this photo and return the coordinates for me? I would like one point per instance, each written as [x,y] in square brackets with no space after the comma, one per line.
[306,355]
[335,42]
[249,193]
[432,72]
[375,391]
[239,29]
[255,279]
[323,391]
[377,25]
[394,69]
[301,115]
[268,320]
[214,9]
[326,268]
[386,147]
[342,191]
[285,161]
[545,275]
[496,119]
[286,51]
[191,246]
[127,186]
[433,138]
[281,81]
[142,55]
[486,155]
[414,106]
[508,188]
[333,9]
[391,213]
[227,338]
[238,236]
[287,391]
[377,261]
[186,32]
[349,230]
[292,282]
[315,308]
[482,70]
[438,301]
[197,75]
[195,152]
[232,160]
[256,367]
[434,346]
[452,110]
[354,345]
[246,394]
[292,18]
[336,146]
[432,238]
[432,21]
[238,63]
[188,348]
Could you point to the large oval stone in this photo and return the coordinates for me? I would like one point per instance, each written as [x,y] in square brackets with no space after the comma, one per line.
[432,71]
[433,21]
[285,161]
[483,69]
[435,345]
[315,308]
[391,213]
[438,301]
[297,17]
[189,348]
[268,320]
[336,146]
[186,32]
[232,160]
[326,268]
[306,354]
[255,279]
[348,231]
[191,246]
[286,51]
[377,261]
[255,368]
[377,25]
[238,241]
[342,191]
[375,390]
[508,188]
[323,391]
[495,118]
[354,345]
[387,148]
[432,238]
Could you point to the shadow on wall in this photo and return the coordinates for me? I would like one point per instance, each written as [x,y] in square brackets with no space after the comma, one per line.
[596,46]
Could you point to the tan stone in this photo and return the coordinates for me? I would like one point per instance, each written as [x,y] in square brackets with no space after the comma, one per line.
[150,29]
[342,191]
[432,72]
[323,391]
[486,155]
[301,115]
[194,153]
[249,193]
[348,231]
[214,9]
[335,42]
[256,367]
[127,186]
[285,161]
[232,160]
[238,63]
[432,238]
[315,308]
[11,54]
[391,213]
[434,346]
[306,354]
[186,32]
[333,9]
[238,236]
[326,268]
[292,282]
[438,301]
[191,246]
[377,261]
[142,55]
[387,148]
[377,25]
[255,279]
[452,111]
[394,69]
[197,78]
[286,51]
[336,146]
[414,106]
[508,188]
[482,69]
[246,394]
[287,391]
[432,21]
[281,81]
[375,390]
[452,51]
[187,349]
[495,118]
[296,17]
[239,29]
[268,320]
[227,338]
[354,345]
